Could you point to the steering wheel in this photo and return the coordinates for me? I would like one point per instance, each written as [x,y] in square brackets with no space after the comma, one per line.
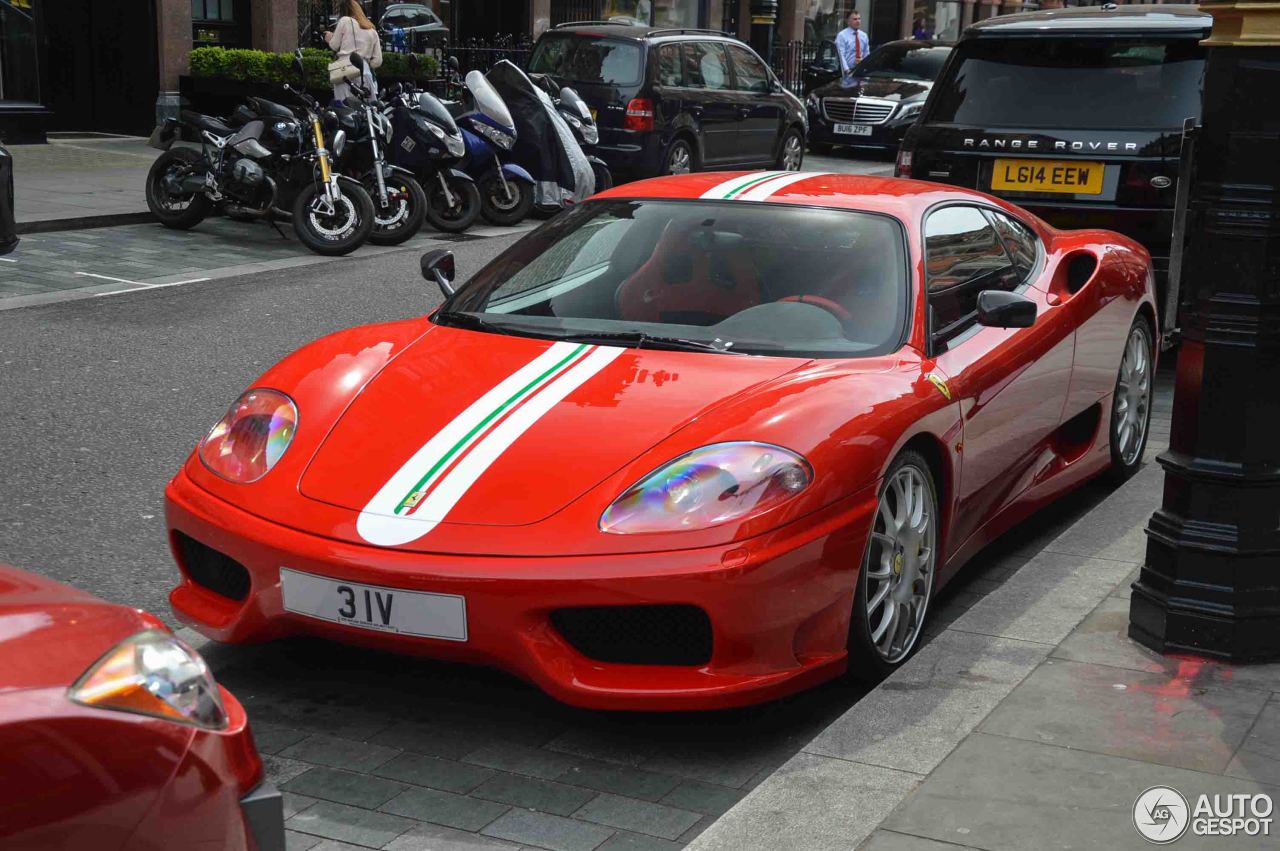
[835,309]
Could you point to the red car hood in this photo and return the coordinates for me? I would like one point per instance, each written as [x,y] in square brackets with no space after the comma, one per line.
[51,633]
[473,428]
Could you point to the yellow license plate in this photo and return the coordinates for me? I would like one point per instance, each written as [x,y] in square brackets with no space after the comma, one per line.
[1075,177]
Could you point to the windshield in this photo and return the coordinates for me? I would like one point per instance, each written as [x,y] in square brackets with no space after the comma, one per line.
[587,59]
[487,99]
[765,279]
[1116,84]
[430,106]
[904,61]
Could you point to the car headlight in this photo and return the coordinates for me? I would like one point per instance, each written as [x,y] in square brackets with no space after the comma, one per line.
[911,110]
[153,673]
[709,486]
[812,102]
[251,437]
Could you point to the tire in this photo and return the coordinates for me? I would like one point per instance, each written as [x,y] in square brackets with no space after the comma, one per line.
[499,209]
[163,205]
[791,151]
[402,218]
[604,177]
[462,215]
[822,149]
[1127,435]
[878,646]
[542,212]
[680,157]
[339,233]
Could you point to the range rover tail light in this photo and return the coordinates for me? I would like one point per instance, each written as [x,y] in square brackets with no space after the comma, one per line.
[639,115]
[902,168]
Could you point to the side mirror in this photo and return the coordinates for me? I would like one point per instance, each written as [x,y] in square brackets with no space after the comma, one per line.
[357,60]
[438,266]
[1001,309]
[298,67]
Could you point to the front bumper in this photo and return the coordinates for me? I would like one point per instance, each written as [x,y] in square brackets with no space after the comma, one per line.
[778,605]
[887,136]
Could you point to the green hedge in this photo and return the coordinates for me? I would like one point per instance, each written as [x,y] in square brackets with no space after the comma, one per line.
[259,66]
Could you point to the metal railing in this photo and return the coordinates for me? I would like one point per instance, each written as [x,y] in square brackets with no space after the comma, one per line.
[789,61]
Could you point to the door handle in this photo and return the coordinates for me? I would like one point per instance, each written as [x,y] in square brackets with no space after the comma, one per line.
[743,112]
[695,110]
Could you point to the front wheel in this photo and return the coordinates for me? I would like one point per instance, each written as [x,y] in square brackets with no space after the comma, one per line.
[896,581]
[456,210]
[174,208]
[1131,402]
[505,202]
[404,212]
[333,228]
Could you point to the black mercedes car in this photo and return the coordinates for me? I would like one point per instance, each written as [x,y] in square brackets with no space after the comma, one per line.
[1074,114]
[671,100]
[880,99]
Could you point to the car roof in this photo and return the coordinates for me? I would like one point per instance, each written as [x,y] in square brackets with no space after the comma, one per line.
[898,197]
[1098,19]
[639,32]
[920,42]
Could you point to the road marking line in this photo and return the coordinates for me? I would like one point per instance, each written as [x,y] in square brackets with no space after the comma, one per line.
[109,278]
[7,260]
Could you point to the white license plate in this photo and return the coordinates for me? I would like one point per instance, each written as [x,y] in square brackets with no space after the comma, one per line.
[854,129]
[375,607]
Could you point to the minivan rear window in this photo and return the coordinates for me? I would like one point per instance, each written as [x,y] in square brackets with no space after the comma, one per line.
[1103,83]
[587,59]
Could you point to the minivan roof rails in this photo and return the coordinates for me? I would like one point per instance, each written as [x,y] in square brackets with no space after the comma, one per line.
[592,24]
[687,31]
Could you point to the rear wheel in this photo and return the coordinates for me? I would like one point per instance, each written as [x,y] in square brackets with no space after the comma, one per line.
[1131,402]
[896,581]
[404,212]
[505,202]
[680,158]
[791,154]
[176,209]
[333,228]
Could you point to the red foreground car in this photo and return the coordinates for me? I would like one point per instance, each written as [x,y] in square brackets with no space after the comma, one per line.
[113,734]
[700,442]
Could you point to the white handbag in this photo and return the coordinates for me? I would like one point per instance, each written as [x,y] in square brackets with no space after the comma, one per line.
[341,70]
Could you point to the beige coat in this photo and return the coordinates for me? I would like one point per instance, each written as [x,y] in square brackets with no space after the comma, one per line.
[349,37]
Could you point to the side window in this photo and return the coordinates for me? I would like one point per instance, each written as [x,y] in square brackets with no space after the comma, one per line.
[963,255]
[669,65]
[826,56]
[749,72]
[705,66]
[1020,241]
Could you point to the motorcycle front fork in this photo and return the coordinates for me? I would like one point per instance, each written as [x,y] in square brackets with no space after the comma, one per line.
[449,197]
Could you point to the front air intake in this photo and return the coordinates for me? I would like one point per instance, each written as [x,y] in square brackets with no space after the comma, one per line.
[637,635]
[211,569]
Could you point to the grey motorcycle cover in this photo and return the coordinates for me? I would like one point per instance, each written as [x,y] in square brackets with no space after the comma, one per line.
[545,145]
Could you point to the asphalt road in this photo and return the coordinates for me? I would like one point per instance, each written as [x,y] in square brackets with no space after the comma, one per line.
[104,398]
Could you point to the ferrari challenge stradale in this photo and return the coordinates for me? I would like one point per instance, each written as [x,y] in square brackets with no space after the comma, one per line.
[698,442]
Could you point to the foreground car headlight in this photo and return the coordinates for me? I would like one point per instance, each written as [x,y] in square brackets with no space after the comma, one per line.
[709,486]
[153,673]
[250,438]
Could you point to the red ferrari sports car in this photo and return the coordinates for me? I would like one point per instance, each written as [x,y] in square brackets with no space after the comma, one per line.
[115,736]
[702,441]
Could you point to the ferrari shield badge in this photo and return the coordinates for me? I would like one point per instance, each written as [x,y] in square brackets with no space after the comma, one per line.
[937,381]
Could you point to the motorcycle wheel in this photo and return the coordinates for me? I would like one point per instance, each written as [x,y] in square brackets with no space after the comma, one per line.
[544,211]
[604,177]
[337,232]
[180,212]
[402,217]
[497,208]
[462,214]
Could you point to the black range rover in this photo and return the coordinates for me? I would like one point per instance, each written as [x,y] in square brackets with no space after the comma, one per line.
[1074,114]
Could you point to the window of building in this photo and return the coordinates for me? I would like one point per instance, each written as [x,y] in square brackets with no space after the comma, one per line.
[963,256]
[749,72]
[212,10]
[19,68]
[705,66]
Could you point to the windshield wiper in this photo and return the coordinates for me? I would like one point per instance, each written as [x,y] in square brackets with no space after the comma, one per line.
[640,340]
[469,320]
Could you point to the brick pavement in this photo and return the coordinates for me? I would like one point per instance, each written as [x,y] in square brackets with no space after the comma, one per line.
[380,751]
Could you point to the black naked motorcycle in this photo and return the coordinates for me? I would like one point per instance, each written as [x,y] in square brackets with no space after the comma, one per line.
[279,160]
[399,202]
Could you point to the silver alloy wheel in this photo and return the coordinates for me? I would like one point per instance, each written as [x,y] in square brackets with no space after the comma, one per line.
[898,568]
[792,153]
[343,215]
[1133,396]
[680,160]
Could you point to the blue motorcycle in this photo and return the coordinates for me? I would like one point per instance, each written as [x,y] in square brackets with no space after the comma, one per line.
[506,189]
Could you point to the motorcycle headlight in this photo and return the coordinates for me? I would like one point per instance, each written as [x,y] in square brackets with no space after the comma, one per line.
[251,437]
[339,143]
[153,673]
[910,110]
[501,138]
[590,134]
[429,127]
[457,147]
[716,484]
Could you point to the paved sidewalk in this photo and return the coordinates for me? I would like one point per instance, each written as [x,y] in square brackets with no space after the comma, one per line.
[1031,721]
[80,179]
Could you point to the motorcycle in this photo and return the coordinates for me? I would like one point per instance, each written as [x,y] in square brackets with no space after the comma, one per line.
[280,159]
[506,189]
[426,141]
[575,112]
[399,202]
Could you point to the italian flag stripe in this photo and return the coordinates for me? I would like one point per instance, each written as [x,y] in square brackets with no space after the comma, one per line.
[737,190]
[460,447]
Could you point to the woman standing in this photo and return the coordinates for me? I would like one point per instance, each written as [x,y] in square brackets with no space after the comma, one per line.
[354,32]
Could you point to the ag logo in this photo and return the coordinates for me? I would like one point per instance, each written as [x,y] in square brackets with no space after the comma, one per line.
[1161,814]
[408,144]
